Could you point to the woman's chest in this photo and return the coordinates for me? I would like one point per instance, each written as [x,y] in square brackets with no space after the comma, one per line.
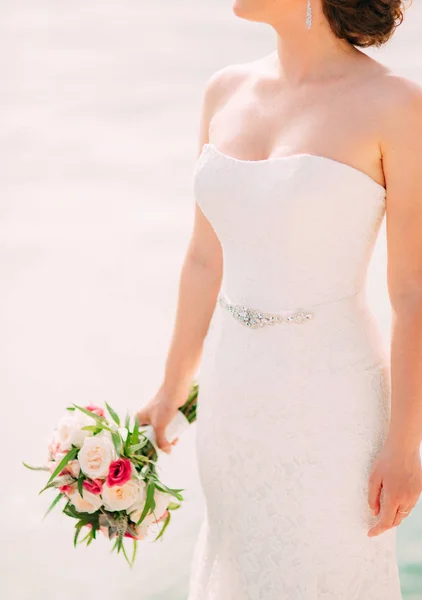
[255,127]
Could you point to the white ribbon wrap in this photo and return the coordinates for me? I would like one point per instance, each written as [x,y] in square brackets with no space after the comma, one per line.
[174,429]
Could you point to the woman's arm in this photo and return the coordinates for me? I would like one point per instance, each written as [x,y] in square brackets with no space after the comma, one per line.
[397,470]
[200,281]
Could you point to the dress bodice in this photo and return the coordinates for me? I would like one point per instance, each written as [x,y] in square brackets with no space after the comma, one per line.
[295,230]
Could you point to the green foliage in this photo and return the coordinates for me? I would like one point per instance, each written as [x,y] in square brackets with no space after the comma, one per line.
[164,527]
[113,414]
[135,432]
[67,458]
[91,414]
[53,504]
[34,468]
[149,502]
[117,441]
[80,483]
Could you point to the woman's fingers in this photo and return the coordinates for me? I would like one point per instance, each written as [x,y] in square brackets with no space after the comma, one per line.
[387,516]
[402,513]
[143,417]
[374,493]
[161,439]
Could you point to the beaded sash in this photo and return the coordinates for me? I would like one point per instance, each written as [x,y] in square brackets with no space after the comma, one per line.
[253,317]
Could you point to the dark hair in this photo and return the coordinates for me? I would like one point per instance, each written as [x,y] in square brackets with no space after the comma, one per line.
[364,22]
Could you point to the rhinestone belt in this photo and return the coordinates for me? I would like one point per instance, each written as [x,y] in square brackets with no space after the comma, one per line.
[253,317]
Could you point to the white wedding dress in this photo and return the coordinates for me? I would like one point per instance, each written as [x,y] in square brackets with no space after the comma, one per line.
[291,414]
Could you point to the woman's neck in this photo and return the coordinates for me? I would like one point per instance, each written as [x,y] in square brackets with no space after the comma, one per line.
[304,55]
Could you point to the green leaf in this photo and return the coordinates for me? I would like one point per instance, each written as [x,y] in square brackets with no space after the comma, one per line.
[164,527]
[149,502]
[53,504]
[113,414]
[117,441]
[173,506]
[139,458]
[172,492]
[80,484]
[70,511]
[103,426]
[135,549]
[94,428]
[135,432]
[67,458]
[127,422]
[127,443]
[78,528]
[94,416]
[126,556]
[139,446]
[91,537]
[35,468]
[88,535]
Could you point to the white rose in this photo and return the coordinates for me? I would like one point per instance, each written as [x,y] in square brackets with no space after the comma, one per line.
[96,456]
[70,432]
[82,420]
[121,497]
[162,500]
[89,503]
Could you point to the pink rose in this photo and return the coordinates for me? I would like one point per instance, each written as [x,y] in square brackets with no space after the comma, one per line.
[120,472]
[95,486]
[95,409]
[65,489]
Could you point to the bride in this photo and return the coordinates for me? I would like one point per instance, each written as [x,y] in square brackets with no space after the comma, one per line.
[309,429]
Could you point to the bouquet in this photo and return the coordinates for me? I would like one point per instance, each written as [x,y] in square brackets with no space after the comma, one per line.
[106,473]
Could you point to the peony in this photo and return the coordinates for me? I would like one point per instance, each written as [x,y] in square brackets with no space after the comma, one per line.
[120,472]
[95,486]
[96,456]
[162,500]
[121,497]
[89,503]
[70,432]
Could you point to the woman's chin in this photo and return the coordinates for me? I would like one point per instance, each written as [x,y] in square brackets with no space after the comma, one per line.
[245,9]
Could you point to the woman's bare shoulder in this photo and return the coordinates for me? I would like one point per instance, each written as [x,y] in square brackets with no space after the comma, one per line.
[226,80]
[399,107]
[395,92]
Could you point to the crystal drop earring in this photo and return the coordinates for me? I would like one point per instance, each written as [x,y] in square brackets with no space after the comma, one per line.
[309,15]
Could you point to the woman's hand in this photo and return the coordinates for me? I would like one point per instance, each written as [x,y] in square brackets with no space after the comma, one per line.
[395,484]
[158,413]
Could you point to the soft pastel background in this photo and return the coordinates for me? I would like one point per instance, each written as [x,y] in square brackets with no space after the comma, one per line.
[99,110]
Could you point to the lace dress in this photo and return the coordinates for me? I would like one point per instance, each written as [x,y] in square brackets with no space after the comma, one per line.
[292,413]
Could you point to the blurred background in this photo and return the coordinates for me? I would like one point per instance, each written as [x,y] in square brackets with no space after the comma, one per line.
[100,106]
